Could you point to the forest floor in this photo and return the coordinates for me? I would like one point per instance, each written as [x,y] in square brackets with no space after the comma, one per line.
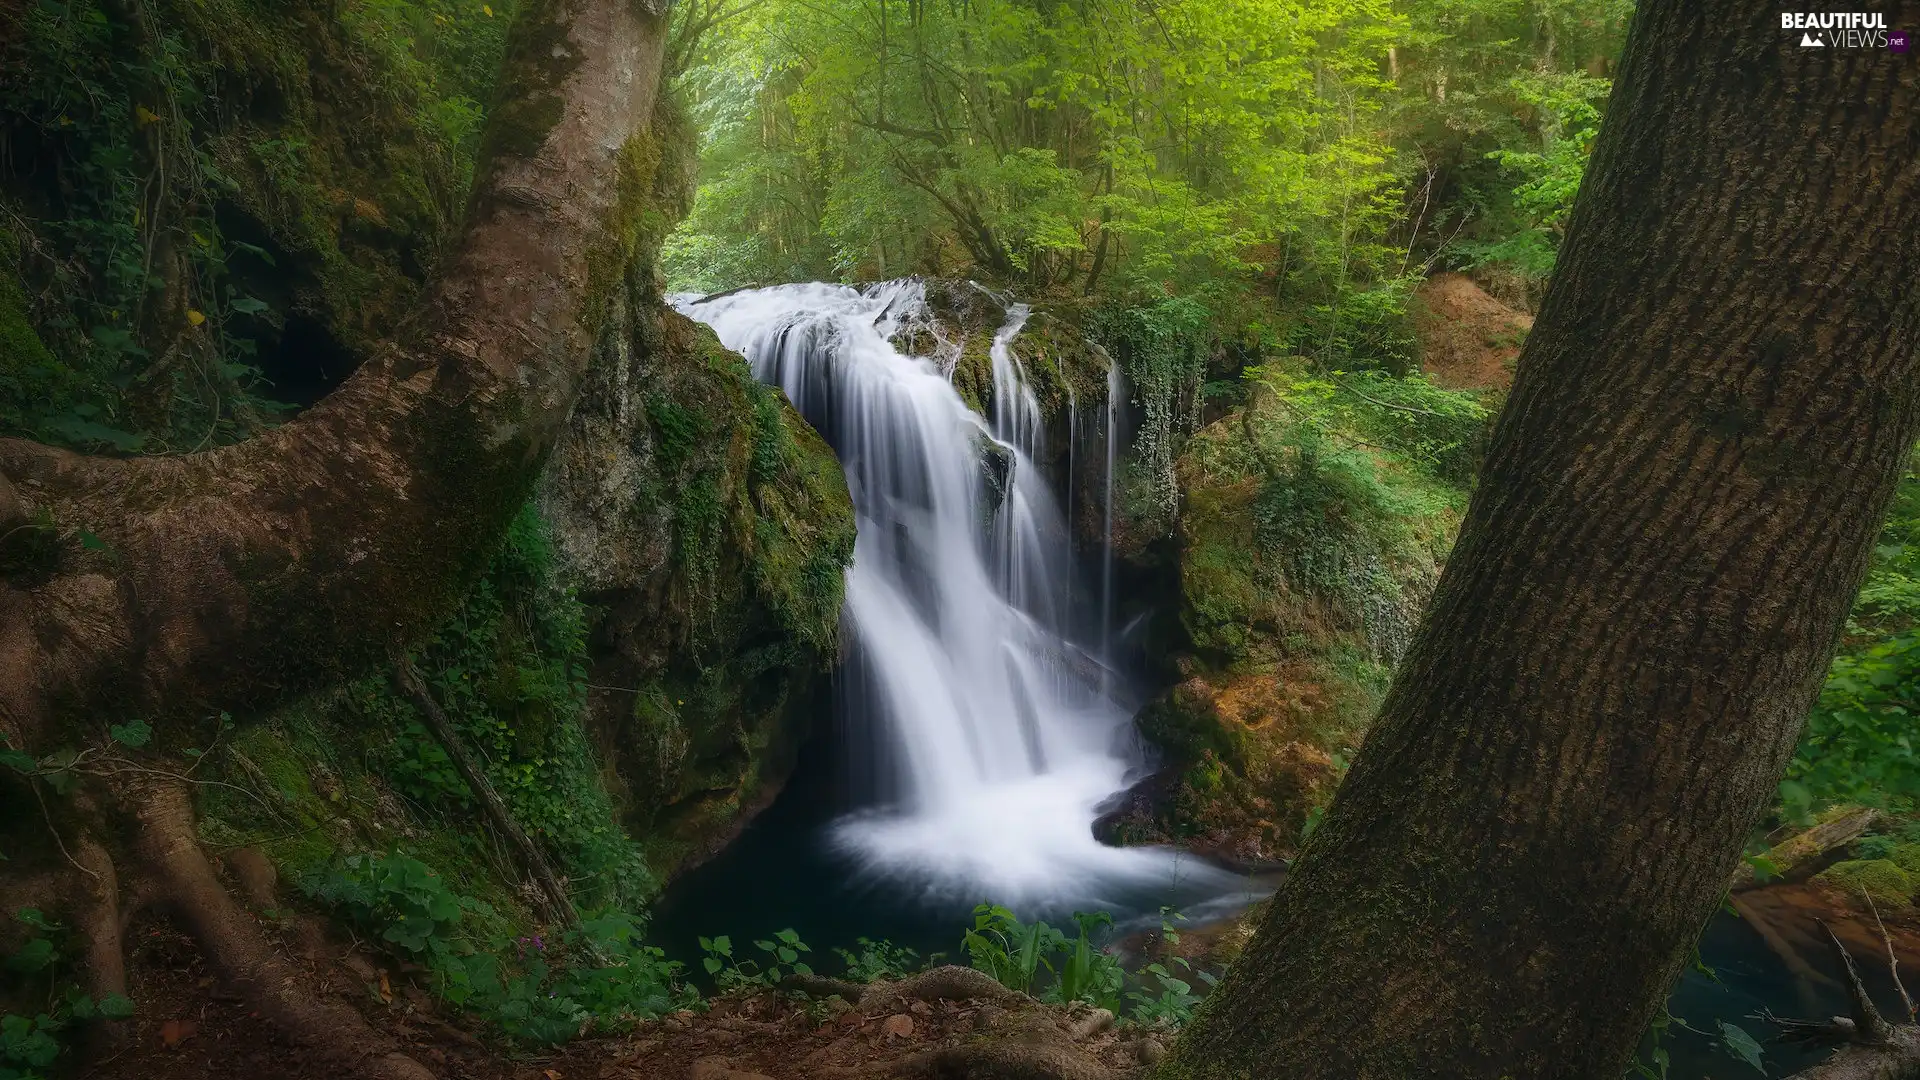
[186,1028]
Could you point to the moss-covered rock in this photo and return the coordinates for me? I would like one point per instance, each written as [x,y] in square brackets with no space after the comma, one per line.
[1302,573]
[1882,879]
[710,527]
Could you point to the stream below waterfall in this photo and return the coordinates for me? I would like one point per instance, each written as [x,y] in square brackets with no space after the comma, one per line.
[981,717]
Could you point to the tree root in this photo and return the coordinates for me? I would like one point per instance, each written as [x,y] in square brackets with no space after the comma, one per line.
[103,927]
[1036,1046]
[232,941]
[948,983]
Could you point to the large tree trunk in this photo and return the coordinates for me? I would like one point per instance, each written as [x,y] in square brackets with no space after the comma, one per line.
[236,576]
[1708,423]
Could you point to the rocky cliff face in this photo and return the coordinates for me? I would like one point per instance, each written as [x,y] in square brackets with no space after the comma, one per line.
[708,529]
[1305,557]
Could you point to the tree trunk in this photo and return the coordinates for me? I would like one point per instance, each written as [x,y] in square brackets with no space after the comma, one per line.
[1707,427]
[237,576]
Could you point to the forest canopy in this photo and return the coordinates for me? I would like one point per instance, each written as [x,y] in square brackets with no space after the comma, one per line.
[1309,154]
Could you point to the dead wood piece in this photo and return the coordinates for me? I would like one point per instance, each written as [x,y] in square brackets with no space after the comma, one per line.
[553,894]
[1799,854]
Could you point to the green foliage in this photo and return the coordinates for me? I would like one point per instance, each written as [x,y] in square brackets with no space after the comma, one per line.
[31,1044]
[879,960]
[781,957]
[1859,742]
[1162,349]
[1168,1000]
[406,906]
[1017,954]
[509,669]
[1192,142]
[534,989]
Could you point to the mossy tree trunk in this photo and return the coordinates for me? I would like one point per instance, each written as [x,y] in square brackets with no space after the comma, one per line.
[1678,506]
[174,587]
[240,575]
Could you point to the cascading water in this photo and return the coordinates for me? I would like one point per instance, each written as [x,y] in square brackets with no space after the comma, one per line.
[1003,732]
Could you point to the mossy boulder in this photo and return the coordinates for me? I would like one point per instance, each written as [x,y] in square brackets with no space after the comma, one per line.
[1882,879]
[710,528]
[1301,579]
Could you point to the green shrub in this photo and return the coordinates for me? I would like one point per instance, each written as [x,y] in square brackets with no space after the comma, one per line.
[879,960]
[1016,954]
[32,1043]
[534,989]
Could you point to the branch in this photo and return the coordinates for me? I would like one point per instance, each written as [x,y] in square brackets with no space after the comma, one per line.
[559,907]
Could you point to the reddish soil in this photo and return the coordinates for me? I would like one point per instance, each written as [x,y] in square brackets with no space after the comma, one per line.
[1469,340]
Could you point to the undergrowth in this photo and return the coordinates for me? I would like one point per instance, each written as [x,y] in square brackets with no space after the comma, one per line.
[534,988]
[1859,744]
[37,977]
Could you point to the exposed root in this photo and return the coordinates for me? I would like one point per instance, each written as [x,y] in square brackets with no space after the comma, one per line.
[820,986]
[102,925]
[233,943]
[1037,1048]
[949,983]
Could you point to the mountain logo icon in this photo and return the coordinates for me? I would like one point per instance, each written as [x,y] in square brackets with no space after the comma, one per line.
[1808,41]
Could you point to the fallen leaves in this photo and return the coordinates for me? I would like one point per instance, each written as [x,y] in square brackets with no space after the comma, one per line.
[175,1032]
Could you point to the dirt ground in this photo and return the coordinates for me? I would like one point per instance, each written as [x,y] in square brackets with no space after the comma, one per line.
[1469,340]
[186,1028]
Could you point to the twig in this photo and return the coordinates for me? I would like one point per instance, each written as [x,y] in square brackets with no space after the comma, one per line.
[62,844]
[1362,395]
[1893,961]
[1873,1028]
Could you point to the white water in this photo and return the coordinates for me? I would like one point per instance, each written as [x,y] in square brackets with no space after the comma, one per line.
[1003,735]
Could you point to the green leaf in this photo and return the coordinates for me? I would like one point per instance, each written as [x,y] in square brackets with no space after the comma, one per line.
[36,955]
[116,1006]
[247,305]
[1737,1042]
[133,733]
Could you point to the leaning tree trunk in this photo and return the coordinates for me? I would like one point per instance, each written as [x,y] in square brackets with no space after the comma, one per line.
[1707,426]
[236,576]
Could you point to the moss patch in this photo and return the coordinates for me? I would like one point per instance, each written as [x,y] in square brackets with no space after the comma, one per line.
[1882,879]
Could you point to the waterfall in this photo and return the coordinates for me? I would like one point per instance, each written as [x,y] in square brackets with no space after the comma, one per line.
[1002,734]
[1116,397]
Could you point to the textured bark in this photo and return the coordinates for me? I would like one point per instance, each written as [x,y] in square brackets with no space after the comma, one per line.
[234,577]
[1678,506]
